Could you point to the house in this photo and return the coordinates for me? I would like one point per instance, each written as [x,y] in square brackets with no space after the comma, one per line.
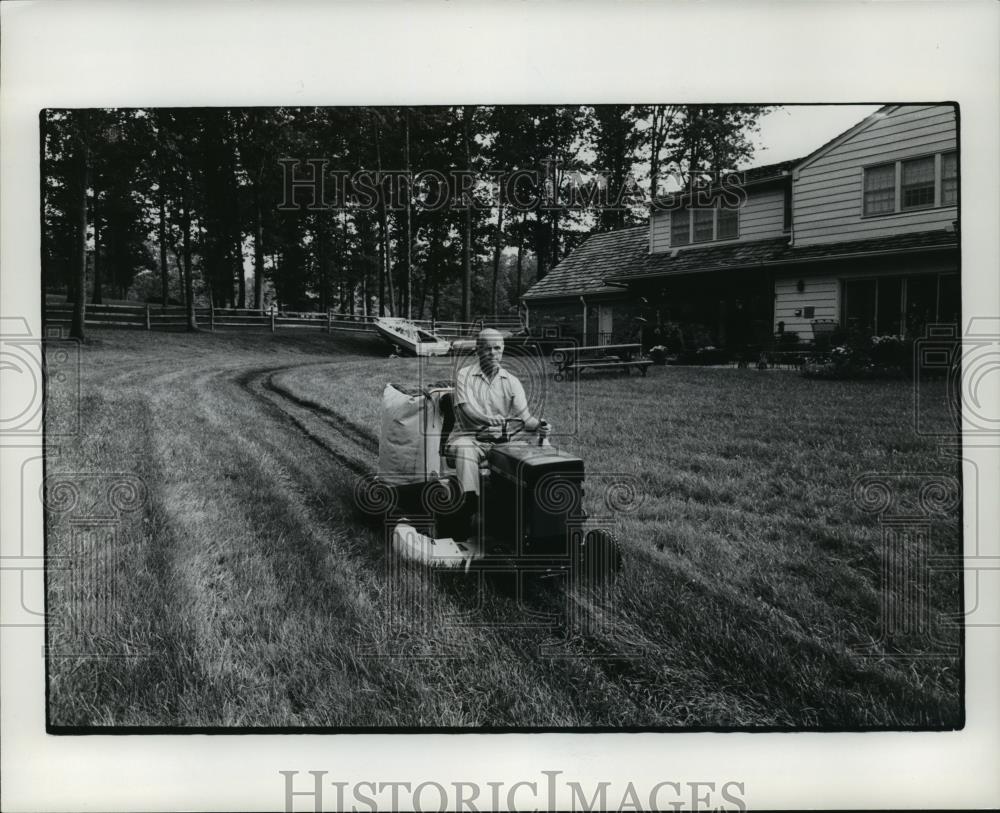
[862,232]
[574,300]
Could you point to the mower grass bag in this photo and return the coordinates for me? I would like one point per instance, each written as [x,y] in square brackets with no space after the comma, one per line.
[410,439]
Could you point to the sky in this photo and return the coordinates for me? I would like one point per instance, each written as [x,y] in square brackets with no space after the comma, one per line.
[794,131]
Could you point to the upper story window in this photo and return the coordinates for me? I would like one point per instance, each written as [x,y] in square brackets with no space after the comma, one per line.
[880,189]
[914,183]
[949,179]
[728,222]
[917,185]
[703,225]
[680,227]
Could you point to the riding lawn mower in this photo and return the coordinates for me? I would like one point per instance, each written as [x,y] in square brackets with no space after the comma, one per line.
[530,517]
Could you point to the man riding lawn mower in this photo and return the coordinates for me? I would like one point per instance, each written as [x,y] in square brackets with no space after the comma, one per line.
[468,479]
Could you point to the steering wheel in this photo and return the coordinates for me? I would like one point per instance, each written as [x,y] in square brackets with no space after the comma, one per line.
[487,435]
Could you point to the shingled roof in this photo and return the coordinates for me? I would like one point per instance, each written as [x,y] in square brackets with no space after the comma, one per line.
[776,251]
[622,256]
[753,175]
[769,171]
[897,243]
[602,255]
[707,258]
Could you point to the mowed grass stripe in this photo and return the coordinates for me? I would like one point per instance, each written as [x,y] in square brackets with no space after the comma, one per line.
[333,611]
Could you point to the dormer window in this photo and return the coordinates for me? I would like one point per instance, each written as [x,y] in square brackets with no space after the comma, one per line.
[728,223]
[703,225]
[680,227]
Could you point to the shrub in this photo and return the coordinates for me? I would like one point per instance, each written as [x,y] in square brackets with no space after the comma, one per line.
[863,357]
[892,351]
[668,336]
[703,356]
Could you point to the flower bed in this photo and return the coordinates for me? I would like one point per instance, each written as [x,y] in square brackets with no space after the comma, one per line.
[868,357]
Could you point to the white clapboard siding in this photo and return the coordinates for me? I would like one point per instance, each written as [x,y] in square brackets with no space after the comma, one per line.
[827,193]
[659,232]
[820,292]
[761,216]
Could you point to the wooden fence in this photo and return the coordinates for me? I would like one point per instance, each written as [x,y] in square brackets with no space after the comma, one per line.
[174,318]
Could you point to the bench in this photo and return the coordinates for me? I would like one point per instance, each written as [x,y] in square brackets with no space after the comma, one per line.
[570,361]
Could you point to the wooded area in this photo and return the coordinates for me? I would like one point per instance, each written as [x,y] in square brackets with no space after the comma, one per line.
[183,206]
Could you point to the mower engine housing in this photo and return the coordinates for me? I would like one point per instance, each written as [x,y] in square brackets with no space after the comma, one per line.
[533,498]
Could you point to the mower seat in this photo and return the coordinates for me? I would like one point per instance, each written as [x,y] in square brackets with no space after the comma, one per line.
[447,424]
[446,406]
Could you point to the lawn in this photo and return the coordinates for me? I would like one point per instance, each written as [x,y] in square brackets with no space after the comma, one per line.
[245,591]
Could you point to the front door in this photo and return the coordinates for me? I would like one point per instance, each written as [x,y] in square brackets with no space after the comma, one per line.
[604,324]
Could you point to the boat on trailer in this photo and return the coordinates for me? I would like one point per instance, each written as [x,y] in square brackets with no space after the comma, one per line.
[410,338]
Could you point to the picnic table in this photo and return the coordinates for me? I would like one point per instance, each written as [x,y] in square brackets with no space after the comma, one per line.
[571,361]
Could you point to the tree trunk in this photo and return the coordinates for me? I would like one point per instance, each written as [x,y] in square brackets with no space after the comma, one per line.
[497,248]
[554,243]
[385,258]
[381,283]
[467,231]
[43,174]
[320,236]
[96,299]
[541,245]
[164,273]
[241,279]
[656,140]
[179,262]
[423,294]
[423,299]
[347,260]
[520,254]
[192,318]
[258,251]
[77,330]
[409,226]
[236,210]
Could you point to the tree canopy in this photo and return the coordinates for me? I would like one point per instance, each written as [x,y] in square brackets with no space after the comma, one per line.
[424,211]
